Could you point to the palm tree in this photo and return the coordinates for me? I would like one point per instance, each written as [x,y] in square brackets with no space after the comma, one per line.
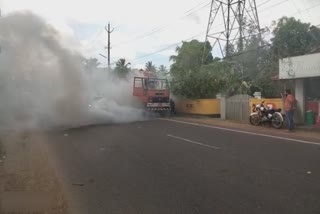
[122,67]
[173,58]
[122,63]
[162,70]
[91,64]
[150,67]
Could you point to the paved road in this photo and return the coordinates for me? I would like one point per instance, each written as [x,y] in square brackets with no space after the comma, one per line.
[164,167]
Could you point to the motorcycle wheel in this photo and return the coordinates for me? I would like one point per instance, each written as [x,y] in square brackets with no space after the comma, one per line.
[254,119]
[277,120]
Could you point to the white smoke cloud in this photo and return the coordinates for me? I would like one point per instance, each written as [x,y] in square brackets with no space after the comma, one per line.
[44,84]
[111,98]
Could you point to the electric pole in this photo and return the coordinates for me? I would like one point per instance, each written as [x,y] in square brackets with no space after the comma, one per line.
[231,23]
[109,31]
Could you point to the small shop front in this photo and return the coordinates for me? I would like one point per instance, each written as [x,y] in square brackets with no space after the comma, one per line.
[305,72]
[312,92]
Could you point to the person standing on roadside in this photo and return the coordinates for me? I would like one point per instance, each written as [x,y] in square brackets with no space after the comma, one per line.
[289,107]
[172,106]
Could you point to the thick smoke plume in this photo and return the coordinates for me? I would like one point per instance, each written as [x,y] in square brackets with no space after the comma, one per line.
[43,84]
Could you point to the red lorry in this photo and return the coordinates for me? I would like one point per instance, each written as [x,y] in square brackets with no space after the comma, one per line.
[152,91]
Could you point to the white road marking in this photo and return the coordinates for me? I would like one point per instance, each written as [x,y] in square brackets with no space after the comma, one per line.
[191,141]
[244,132]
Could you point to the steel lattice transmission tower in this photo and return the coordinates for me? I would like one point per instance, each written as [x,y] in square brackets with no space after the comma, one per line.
[230,23]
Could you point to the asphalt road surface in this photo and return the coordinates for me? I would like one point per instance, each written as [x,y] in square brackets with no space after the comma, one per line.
[164,167]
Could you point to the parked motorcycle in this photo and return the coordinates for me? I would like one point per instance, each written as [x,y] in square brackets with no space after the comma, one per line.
[263,114]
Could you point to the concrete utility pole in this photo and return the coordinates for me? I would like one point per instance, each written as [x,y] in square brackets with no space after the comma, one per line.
[109,46]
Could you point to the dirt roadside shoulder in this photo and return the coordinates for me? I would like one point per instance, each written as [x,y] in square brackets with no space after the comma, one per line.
[299,133]
[27,181]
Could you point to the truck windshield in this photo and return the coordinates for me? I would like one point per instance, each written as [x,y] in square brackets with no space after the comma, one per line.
[157,84]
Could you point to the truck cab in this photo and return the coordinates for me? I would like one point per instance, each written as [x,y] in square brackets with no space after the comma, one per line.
[153,92]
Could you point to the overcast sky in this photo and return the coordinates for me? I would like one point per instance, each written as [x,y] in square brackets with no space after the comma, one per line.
[135,21]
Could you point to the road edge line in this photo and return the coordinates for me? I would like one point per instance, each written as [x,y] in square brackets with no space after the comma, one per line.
[243,132]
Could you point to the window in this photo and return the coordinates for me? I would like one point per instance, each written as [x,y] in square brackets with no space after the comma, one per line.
[157,84]
[138,82]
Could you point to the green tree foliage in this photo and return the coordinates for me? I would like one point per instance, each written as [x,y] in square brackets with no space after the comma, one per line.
[293,38]
[191,54]
[246,71]
[260,60]
[315,34]
[162,71]
[150,67]
[122,67]
[254,66]
[190,78]
[91,64]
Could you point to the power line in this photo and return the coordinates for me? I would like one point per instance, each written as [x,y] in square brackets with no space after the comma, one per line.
[295,6]
[175,44]
[233,14]
[299,12]
[166,48]
[163,27]
[155,30]
[95,38]
[247,51]
[307,9]
[268,45]
[274,5]
[158,51]
[187,13]
[225,36]
[263,3]
[93,41]
[191,10]
[257,7]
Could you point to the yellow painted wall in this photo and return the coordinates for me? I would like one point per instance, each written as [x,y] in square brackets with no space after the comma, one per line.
[276,103]
[212,106]
[200,106]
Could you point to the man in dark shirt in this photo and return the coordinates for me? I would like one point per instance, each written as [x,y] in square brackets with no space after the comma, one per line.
[172,106]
